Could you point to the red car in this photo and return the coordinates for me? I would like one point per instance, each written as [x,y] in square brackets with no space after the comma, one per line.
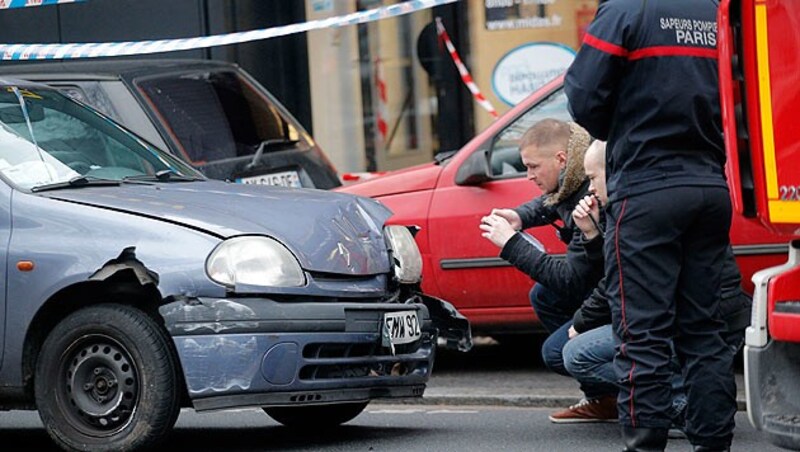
[447,198]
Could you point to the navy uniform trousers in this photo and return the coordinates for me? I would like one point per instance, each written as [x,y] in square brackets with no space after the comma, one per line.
[664,252]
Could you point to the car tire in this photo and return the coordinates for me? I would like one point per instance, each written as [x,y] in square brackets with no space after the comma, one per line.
[106,379]
[317,416]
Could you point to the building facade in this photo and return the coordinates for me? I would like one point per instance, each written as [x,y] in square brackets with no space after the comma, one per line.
[378,96]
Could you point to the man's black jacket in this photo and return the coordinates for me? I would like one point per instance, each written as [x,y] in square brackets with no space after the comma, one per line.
[571,277]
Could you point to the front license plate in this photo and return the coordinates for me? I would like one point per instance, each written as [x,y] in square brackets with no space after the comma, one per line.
[400,327]
[282,179]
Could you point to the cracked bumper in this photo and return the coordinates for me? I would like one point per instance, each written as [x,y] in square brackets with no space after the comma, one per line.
[259,352]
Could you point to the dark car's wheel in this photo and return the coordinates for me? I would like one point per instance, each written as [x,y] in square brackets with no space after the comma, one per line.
[318,416]
[107,380]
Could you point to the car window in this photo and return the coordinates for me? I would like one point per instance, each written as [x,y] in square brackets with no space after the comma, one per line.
[504,154]
[89,93]
[217,115]
[47,138]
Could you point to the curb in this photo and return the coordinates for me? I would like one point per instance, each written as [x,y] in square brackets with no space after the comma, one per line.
[527,401]
[498,400]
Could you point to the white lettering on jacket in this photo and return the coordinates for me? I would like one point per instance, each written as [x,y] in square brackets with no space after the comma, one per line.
[691,31]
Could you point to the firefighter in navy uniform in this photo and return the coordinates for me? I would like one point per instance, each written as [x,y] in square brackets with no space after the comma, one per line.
[645,80]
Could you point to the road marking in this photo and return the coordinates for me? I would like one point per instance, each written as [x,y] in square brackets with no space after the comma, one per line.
[418,411]
[395,411]
[453,412]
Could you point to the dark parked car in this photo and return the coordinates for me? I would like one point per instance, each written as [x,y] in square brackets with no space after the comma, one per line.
[211,114]
[135,286]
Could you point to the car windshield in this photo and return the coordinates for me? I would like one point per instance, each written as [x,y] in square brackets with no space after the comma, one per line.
[47,138]
[219,115]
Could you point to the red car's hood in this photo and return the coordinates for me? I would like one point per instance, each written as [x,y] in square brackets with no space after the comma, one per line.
[395,182]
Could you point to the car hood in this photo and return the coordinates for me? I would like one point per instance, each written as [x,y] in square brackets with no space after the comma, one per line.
[415,178]
[328,232]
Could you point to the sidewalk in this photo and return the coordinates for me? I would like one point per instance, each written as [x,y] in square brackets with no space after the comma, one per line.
[494,374]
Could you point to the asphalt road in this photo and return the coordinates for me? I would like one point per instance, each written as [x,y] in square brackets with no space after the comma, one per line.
[382,428]
[501,374]
[494,398]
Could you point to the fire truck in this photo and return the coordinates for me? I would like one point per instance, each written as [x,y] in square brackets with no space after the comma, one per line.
[759,46]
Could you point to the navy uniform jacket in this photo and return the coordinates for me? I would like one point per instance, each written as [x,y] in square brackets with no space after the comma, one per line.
[645,80]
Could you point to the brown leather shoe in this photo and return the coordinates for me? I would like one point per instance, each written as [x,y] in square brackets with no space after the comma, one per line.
[603,409]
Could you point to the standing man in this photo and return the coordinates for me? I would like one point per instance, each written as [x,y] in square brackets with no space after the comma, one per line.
[589,354]
[645,80]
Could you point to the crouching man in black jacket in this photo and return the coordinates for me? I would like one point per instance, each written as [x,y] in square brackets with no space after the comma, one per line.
[553,152]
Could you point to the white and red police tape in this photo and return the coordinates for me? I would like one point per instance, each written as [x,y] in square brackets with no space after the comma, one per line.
[462,70]
[10,4]
[111,49]
[383,101]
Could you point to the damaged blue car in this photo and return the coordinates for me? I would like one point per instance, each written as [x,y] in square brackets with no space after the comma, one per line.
[134,287]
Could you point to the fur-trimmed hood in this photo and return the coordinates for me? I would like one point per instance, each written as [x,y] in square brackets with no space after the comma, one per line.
[573,175]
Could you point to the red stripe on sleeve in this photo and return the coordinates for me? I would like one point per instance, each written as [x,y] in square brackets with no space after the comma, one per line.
[605,46]
[658,51]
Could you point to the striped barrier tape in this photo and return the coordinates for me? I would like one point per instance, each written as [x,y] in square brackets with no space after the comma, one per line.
[112,49]
[462,70]
[383,100]
[358,176]
[11,4]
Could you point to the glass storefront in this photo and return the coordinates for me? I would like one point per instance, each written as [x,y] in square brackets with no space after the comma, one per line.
[379,105]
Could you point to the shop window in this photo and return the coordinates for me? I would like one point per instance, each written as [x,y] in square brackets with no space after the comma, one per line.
[396,96]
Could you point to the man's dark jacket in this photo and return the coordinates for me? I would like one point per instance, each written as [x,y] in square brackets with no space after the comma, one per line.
[627,85]
[571,278]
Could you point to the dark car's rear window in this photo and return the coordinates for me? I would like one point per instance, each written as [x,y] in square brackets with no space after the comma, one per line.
[216,115]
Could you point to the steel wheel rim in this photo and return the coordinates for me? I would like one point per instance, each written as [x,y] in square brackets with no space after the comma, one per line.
[98,386]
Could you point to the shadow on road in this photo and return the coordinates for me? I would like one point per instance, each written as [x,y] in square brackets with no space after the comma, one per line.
[518,352]
[282,438]
[256,438]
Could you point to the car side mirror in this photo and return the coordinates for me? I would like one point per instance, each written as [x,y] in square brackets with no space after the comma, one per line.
[12,114]
[475,170]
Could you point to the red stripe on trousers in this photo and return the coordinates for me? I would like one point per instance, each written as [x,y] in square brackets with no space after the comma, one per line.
[622,299]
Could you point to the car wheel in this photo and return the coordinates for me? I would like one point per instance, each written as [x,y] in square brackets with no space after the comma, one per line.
[317,416]
[106,379]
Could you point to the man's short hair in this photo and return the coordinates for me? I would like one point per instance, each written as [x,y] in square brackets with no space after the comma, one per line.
[547,132]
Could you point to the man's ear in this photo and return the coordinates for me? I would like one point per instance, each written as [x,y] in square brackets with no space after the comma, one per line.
[561,156]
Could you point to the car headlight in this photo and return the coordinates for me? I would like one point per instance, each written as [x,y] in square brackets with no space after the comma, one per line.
[256,261]
[407,259]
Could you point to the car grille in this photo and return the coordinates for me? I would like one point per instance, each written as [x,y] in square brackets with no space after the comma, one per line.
[357,360]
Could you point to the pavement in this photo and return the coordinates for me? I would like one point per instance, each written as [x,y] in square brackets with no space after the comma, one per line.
[506,375]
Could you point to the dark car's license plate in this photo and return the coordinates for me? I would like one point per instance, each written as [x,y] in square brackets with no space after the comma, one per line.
[282,179]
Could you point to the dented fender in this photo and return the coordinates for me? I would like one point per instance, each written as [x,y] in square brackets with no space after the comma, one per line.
[126,262]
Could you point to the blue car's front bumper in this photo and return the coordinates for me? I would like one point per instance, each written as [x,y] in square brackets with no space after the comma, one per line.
[260,352]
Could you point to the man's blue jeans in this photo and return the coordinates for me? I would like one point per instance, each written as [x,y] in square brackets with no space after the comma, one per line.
[550,309]
[555,358]
[556,317]
[589,357]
